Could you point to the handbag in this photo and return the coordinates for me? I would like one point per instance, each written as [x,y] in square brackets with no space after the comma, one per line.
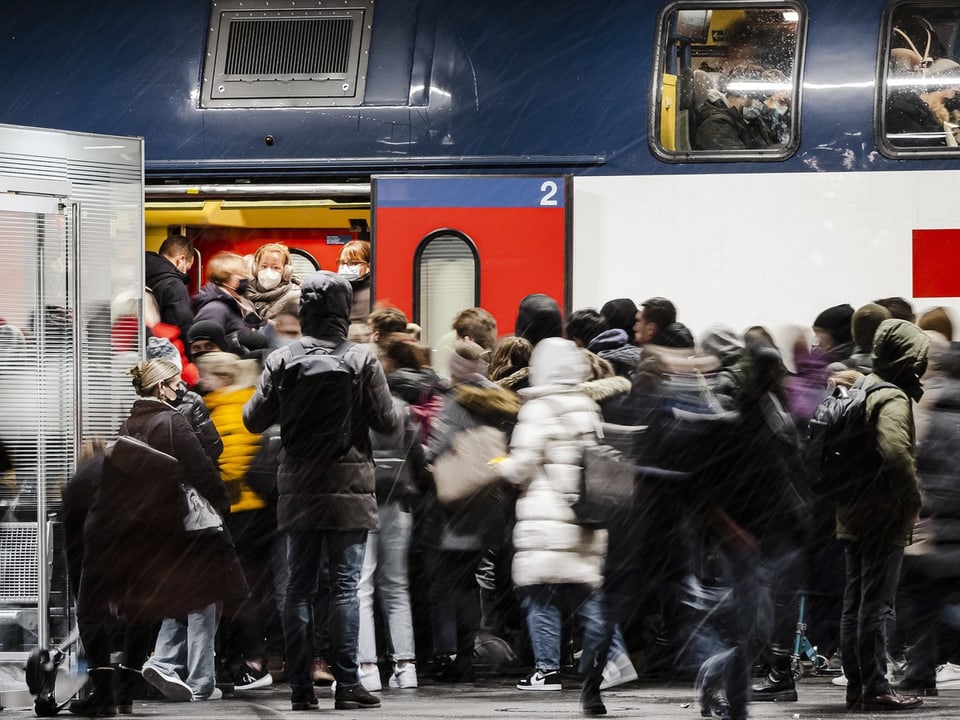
[609,476]
[201,515]
[464,470]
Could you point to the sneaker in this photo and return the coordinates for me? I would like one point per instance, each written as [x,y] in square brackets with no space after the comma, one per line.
[540,680]
[948,676]
[169,684]
[840,680]
[215,694]
[250,678]
[404,676]
[618,671]
[354,698]
[320,672]
[370,677]
[302,697]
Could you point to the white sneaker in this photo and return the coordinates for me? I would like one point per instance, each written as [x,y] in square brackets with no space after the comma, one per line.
[404,676]
[539,680]
[370,677]
[169,684]
[948,675]
[840,680]
[216,694]
[618,671]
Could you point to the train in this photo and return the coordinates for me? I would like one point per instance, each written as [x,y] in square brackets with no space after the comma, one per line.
[304,122]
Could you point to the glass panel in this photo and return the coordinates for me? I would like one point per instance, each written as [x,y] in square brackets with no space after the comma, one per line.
[448,281]
[921,79]
[728,84]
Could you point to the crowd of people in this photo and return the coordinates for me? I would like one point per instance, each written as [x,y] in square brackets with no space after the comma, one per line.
[322,436]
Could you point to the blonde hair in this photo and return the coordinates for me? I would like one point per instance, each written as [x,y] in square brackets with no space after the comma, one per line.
[224,264]
[271,247]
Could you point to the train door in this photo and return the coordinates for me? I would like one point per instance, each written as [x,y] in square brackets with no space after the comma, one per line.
[70,317]
[441,244]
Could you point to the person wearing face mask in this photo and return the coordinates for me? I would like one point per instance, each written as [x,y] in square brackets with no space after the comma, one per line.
[223,298]
[354,266]
[166,276]
[273,289]
[730,118]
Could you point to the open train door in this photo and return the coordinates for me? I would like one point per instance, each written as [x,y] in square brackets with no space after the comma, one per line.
[441,244]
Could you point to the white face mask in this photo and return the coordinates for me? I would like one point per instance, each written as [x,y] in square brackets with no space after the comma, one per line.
[268,278]
[349,272]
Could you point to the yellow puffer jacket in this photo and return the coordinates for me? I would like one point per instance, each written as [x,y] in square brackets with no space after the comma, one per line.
[240,446]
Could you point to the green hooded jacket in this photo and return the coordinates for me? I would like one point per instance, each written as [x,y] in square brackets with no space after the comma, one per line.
[888,506]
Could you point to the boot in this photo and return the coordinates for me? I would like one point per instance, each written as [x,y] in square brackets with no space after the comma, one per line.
[99,700]
[778,685]
[590,700]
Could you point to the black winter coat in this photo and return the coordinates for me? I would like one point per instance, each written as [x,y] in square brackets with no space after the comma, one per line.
[314,493]
[169,287]
[136,559]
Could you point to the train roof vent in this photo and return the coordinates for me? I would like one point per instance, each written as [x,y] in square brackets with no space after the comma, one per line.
[278,53]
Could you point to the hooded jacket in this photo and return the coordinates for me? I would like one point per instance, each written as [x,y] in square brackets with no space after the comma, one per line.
[214,303]
[169,287]
[885,511]
[557,421]
[314,494]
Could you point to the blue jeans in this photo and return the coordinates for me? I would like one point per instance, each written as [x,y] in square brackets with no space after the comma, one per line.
[345,550]
[186,647]
[544,605]
[385,571]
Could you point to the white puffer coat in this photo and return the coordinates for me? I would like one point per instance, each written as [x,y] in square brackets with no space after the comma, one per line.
[555,423]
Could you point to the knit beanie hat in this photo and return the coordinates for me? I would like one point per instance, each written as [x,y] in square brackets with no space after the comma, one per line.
[620,313]
[675,335]
[864,325]
[147,374]
[160,348]
[937,320]
[208,330]
[836,321]
[467,361]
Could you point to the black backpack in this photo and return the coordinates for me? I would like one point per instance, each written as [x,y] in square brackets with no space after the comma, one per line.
[317,391]
[842,455]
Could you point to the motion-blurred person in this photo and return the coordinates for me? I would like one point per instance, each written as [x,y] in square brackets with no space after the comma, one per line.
[583,326]
[208,336]
[230,383]
[354,266]
[616,344]
[463,532]
[326,478]
[731,117]
[273,289]
[900,308]
[877,523]
[557,562]
[510,362]
[223,298]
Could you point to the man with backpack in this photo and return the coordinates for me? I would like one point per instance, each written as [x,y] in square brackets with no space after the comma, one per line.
[876,514]
[327,394]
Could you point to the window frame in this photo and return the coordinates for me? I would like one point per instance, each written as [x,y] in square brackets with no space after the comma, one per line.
[418,263]
[881,87]
[660,50]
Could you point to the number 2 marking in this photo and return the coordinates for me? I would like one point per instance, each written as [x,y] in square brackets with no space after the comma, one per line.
[549,188]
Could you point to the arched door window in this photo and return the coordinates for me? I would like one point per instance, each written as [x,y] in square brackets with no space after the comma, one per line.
[446,280]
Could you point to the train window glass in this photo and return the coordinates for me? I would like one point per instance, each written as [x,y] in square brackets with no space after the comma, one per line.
[446,276]
[304,263]
[727,81]
[918,98]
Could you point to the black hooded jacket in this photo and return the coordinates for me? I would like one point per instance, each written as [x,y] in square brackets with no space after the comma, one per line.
[314,494]
[169,287]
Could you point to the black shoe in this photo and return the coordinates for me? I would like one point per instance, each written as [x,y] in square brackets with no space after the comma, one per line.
[302,697]
[354,698]
[445,669]
[911,687]
[715,705]
[776,687]
[94,705]
[854,698]
[891,700]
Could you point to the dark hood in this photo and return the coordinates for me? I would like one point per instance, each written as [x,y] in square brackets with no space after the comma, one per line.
[900,355]
[325,301]
[157,267]
[538,317]
[415,386]
[210,293]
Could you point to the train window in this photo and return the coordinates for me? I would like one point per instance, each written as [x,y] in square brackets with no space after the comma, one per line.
[304,263]
[727,81]
[918,98]
[445,282]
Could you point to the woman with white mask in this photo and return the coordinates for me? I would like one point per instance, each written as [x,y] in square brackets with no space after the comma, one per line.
[274,289]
